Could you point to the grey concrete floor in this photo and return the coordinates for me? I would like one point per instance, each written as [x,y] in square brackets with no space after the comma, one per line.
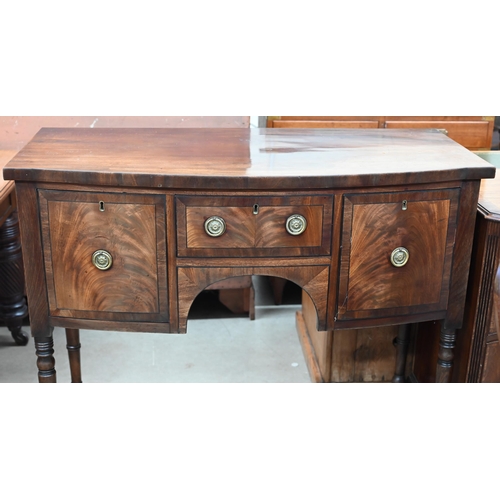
[219,347]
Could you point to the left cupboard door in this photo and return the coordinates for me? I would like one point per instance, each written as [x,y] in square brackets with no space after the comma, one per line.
[105,255]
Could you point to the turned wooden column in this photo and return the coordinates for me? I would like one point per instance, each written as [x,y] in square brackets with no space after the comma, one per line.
[45,360]
[13,308]
[445,355]
[73,345]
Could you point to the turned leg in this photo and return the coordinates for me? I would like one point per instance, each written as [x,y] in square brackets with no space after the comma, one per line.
[251,305]
[13,307]
[402,341]
[73,345]
[445,355]
[45,360]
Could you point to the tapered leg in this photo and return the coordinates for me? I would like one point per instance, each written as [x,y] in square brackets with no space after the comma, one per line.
[402,342]
[45,360]
[73,345]
[445,355]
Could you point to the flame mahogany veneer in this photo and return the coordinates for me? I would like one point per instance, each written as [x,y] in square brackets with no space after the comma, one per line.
[140,199]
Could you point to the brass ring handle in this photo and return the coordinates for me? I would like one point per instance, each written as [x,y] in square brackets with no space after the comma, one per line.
[102,259]
[399,257]
[215,226]
[296,224]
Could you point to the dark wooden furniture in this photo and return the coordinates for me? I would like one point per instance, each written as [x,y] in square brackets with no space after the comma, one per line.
[496,301]
[354,355]
[480,330]
[122,228]
[13,308]
[478,348]
[368,354]
[236,295]
[473,132]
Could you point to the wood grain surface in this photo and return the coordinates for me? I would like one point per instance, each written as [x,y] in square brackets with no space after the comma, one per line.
[7,199]
[469,194]
[496,300]
[478,346]
[74,228]
[325,123]
[192,280]
[244,158]
[31,241]
[357,355]
[378,229]
[469,133]
[253,234]
[375,225]
[159,185]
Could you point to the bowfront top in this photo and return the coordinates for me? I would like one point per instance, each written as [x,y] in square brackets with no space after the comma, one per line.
[244,158]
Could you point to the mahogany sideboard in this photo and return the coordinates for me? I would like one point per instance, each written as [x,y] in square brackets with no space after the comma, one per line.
[122,228]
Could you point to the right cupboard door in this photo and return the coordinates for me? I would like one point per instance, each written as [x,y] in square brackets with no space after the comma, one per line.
[396,253]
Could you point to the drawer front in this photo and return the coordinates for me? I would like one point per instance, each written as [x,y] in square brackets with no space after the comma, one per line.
[253,226]
[105,255]
[414,229]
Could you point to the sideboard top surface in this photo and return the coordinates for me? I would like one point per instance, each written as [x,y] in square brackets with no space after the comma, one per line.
[244,158]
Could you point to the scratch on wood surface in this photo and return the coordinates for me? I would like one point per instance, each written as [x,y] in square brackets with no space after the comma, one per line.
[94,122]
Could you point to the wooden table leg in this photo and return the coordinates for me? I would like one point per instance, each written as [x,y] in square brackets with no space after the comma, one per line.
[45,360]
[445,355]
[73,345]
[402,342]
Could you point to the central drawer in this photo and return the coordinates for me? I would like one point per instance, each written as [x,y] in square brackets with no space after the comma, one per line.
[253,226]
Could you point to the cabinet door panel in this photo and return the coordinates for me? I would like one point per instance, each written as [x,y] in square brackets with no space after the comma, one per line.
[130,229]
[423,224]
